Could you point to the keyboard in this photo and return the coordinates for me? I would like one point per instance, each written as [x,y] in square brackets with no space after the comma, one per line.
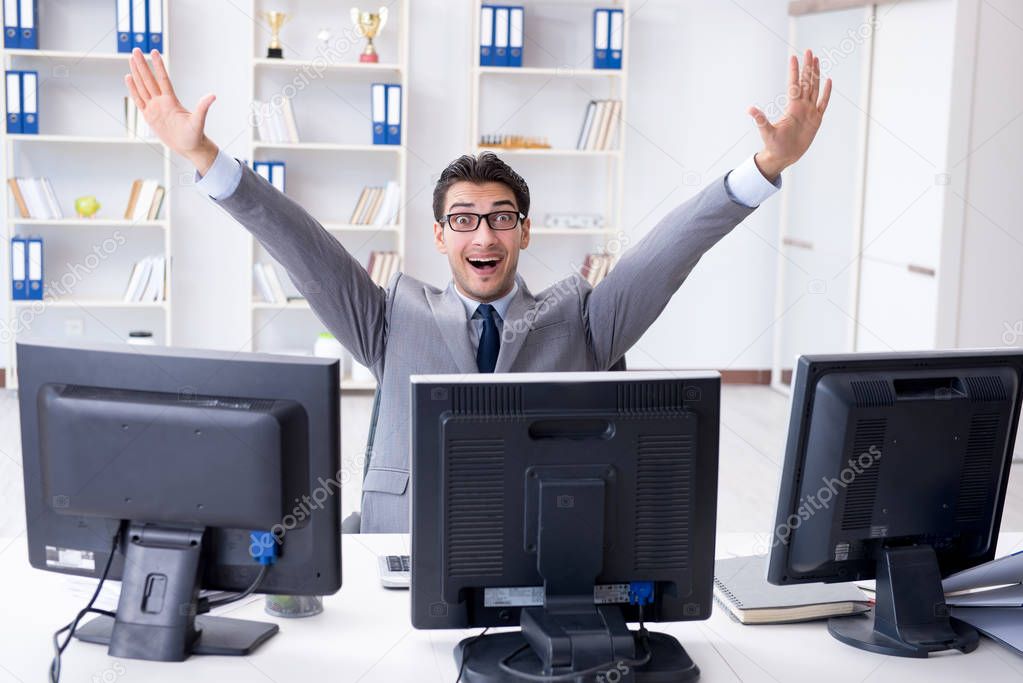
[395,571]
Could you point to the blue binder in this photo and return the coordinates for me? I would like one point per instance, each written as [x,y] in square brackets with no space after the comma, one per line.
[516,18]
[486,35]
[19,269]
[616,36]
[29,102]
[262,168]
[277,175]
[12,29]
[601,36]
[154,24]
[28,19]
[139,31]
[501,35]
[378,112]
[122,9]
[12,85]
[394,121]
[34,265]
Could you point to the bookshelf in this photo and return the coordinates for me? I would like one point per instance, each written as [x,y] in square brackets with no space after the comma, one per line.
[325,172]
[547,97]
[84,149]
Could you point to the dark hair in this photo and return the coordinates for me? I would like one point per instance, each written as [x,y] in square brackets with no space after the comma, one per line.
[485,168]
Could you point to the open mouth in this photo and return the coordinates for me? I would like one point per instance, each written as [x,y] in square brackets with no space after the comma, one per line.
[484,266]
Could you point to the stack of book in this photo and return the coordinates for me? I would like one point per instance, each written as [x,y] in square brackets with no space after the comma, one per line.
[148,280]
[268,284]
[595,267]
[35,198]
[145,200]
[377,205]
[135,122]
[600,126]
[382,265]
[275,123]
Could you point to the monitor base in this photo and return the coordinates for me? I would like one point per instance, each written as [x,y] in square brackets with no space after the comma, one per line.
[669,662]
[217,636]
[859,632]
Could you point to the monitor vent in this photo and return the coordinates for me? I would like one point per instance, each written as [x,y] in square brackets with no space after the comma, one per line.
[491,399]
[975,482]
[664,481]
[474,518]
[988,388]
[864,467]
[872,393]
[184,398]
[646,397]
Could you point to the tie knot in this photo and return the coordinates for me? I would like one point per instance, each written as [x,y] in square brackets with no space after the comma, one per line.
[486,311]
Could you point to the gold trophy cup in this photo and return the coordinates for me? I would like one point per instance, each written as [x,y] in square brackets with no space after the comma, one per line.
[369,24]
[276,21]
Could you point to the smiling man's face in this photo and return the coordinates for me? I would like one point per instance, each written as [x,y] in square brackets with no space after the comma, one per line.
[483,262]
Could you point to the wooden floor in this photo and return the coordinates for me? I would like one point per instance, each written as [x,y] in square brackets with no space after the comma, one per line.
[753,431]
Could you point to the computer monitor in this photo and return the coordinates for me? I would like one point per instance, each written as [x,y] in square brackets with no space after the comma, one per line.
[560,503]
[895,470]
[176,456]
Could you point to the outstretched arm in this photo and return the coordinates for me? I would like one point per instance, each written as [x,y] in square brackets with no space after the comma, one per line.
[624,305]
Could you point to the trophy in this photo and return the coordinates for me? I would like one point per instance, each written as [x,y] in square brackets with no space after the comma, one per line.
[276,20]
[369,25]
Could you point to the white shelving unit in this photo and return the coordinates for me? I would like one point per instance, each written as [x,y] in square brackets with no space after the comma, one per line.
[572,67]
[104,317]
[303,56]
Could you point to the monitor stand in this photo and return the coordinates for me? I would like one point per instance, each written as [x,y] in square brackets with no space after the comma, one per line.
[910,618]
[156,614]
[570,634]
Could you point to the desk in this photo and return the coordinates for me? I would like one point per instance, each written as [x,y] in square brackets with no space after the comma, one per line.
[364,635]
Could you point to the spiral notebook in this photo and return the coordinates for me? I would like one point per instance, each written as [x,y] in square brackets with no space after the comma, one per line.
[741,587]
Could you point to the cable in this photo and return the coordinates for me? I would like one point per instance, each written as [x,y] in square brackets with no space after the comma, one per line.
[211,604]
[59,647]
[465,653]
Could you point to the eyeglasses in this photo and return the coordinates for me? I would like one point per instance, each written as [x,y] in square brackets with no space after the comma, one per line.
[497,220]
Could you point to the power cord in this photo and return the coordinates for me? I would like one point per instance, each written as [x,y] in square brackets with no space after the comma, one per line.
[59,647]
[465,653]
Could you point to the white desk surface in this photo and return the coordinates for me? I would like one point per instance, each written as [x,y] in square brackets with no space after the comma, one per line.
[364,635]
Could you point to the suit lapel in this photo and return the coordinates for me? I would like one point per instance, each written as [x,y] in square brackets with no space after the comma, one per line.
[449,314]
[515,327]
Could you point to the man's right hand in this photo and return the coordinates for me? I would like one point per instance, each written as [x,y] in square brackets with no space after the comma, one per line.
[178,128]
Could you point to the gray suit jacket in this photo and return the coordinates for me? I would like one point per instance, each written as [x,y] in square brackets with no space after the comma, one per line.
[414,328]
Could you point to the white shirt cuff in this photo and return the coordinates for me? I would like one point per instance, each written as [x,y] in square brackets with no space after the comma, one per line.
[748,186]
[222,178]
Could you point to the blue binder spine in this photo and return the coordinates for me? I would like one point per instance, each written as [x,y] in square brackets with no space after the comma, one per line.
[500,35]
[12,28]
[616,38]
[601,33]
[378,112]
[28,19]
[394,122]
[12,95]
[154,24]
[277,175]
[139,30]
[486,35]
[516,19]
[29,102]
[19,269]
[122,9]
[35,268]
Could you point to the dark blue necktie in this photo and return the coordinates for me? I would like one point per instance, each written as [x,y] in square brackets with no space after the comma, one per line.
[490,340]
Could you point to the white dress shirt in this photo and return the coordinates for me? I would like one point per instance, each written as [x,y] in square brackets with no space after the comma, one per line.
[475,319]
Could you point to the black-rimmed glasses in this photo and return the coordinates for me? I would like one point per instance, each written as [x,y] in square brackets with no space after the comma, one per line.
[497,220]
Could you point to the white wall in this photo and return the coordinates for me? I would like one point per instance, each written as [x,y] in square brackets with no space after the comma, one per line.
[688,92]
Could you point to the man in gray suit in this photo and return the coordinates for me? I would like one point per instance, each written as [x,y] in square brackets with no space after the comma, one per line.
[486,319]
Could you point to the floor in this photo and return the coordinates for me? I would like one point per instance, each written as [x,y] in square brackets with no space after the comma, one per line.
[753,431]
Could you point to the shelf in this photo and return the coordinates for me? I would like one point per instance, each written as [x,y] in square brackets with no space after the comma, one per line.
[352,385]
[347,227]
[88,222]
[85,139]
[570,231]
[349,67]
[555,71]
[94,303]
[325,147]
[76,55]
[553,152]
